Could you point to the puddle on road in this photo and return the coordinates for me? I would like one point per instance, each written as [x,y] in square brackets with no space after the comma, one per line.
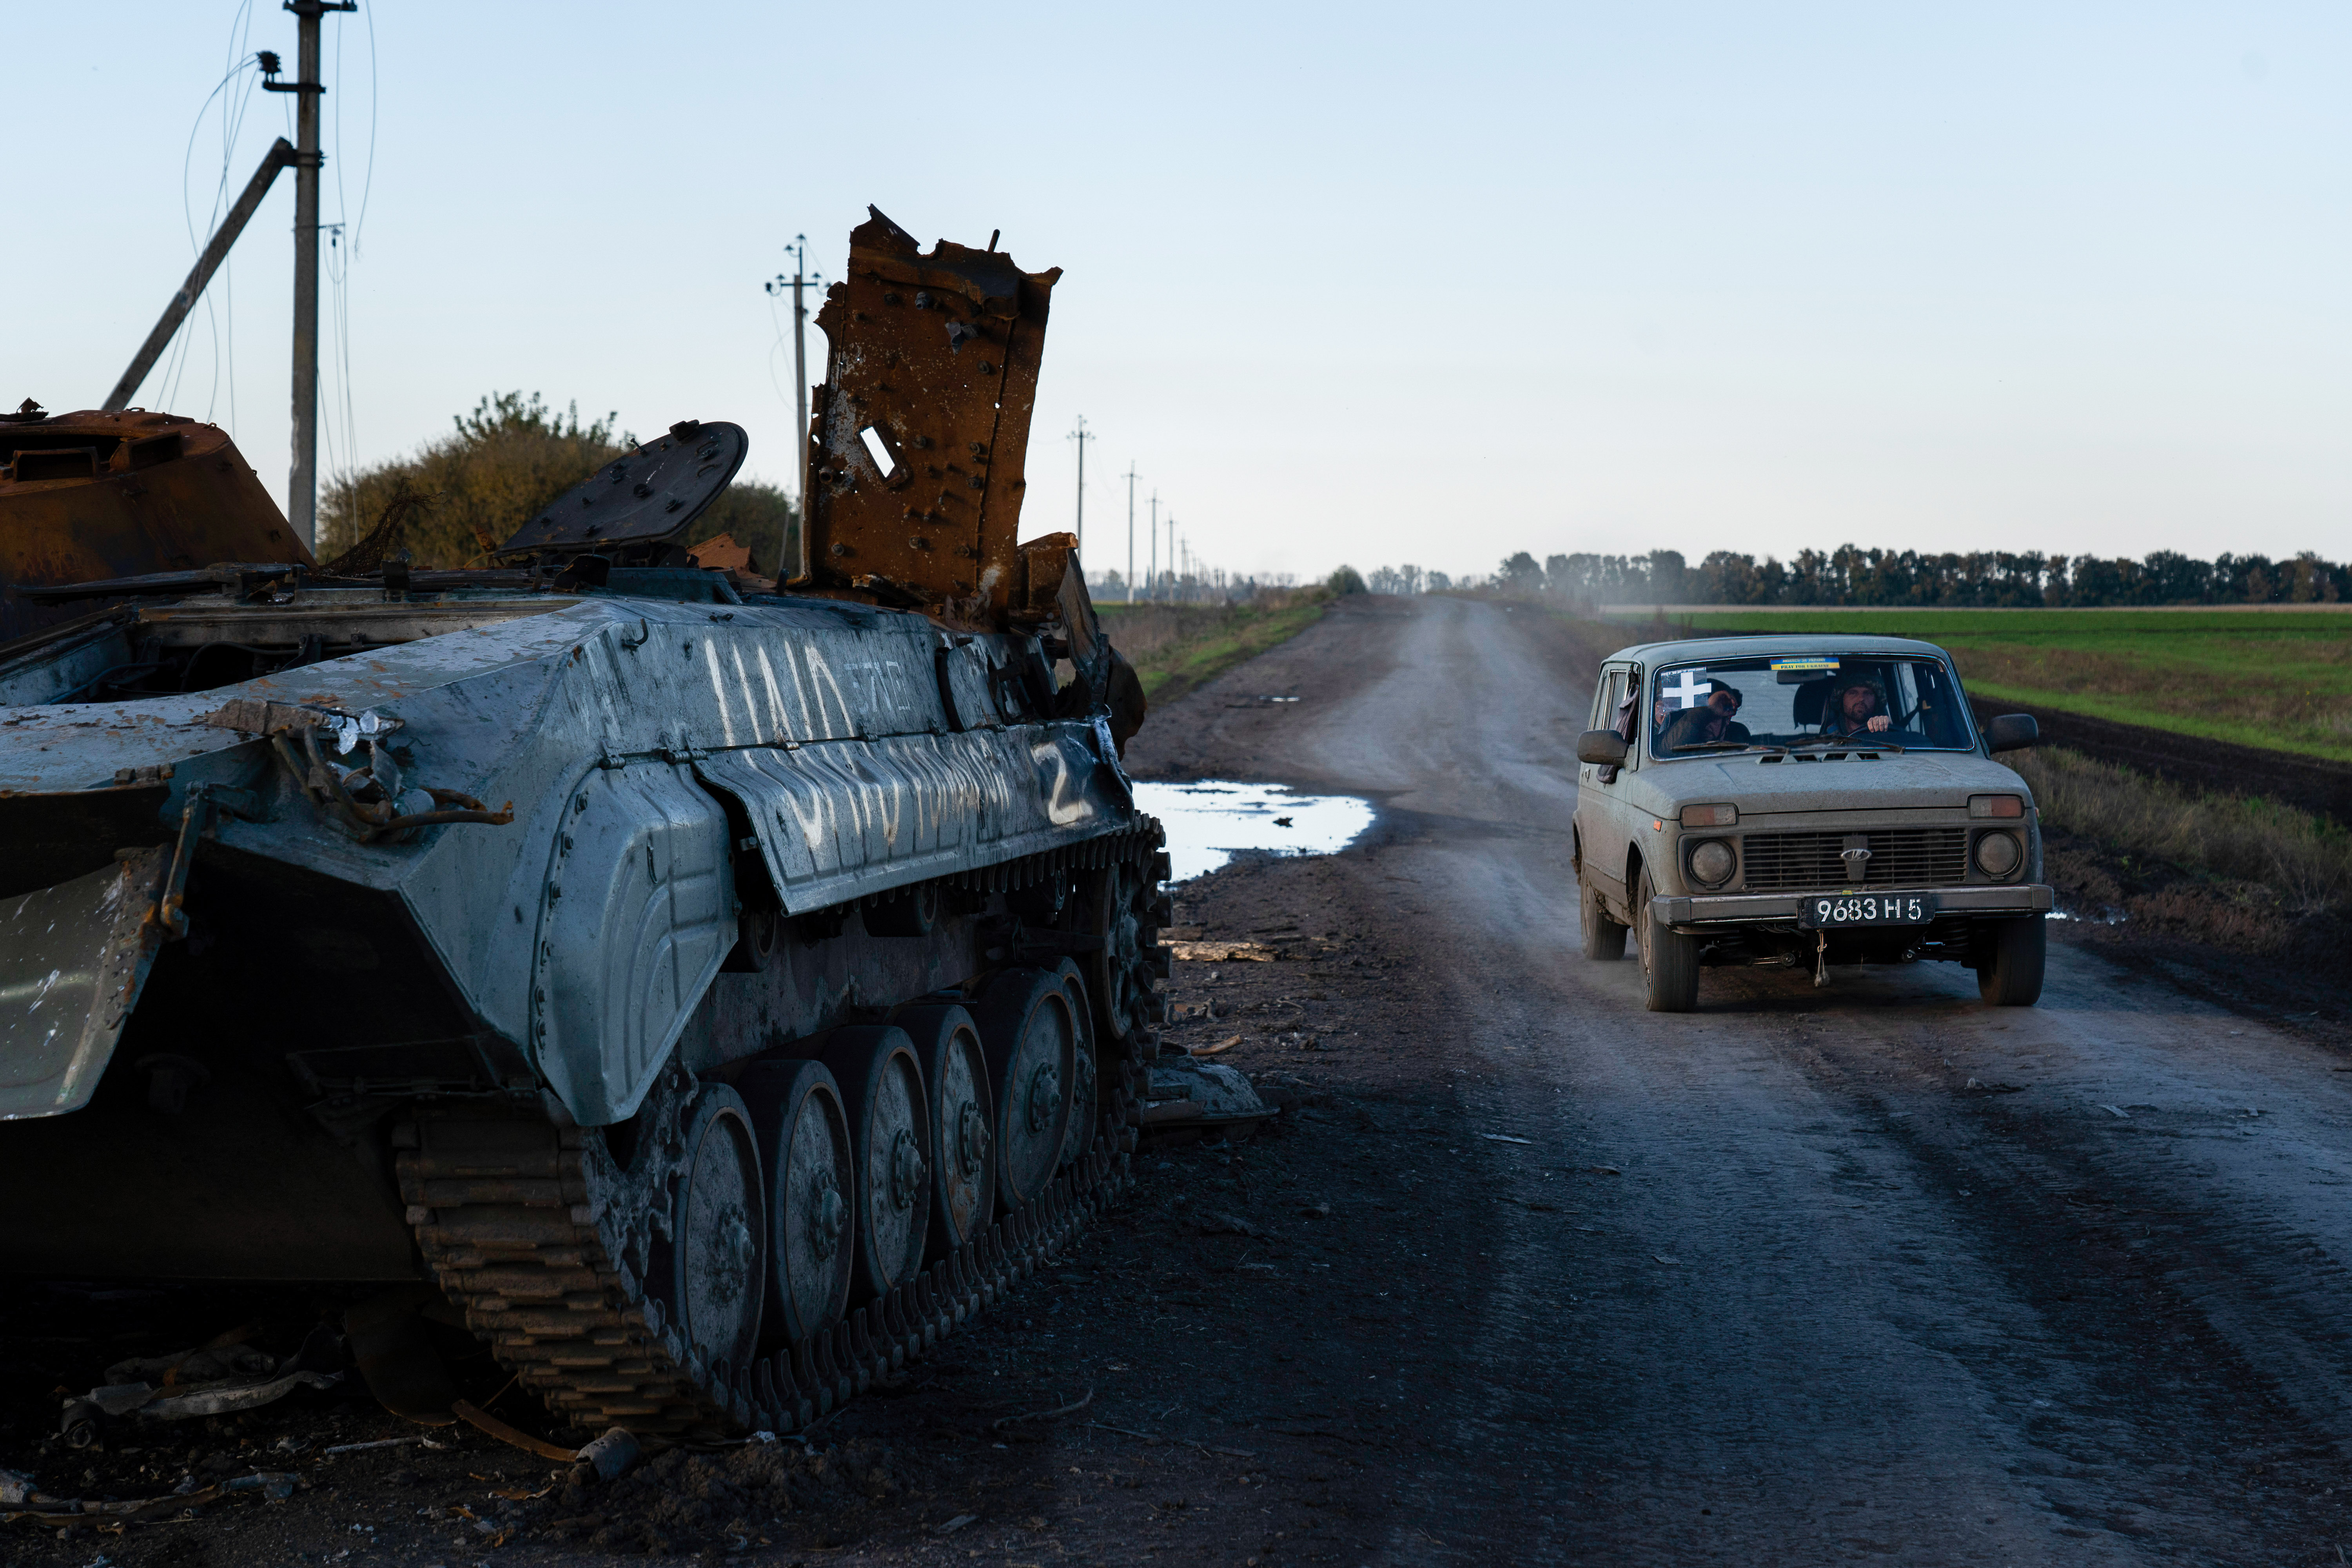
[1211,821]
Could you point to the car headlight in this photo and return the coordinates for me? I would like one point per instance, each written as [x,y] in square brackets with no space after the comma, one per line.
[1712,863]
[2000,854]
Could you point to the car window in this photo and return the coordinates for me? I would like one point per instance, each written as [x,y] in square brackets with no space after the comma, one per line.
[1605,699]
[1809,699]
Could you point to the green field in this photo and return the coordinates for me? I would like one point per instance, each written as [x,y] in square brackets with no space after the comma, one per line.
[2280,679]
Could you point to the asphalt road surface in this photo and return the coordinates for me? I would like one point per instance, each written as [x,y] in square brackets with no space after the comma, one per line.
[1885,1274]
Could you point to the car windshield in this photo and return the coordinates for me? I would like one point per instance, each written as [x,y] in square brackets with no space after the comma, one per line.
[1809,700]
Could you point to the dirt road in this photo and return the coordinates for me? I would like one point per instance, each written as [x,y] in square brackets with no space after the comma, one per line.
[1527,1274]
[1886,1273]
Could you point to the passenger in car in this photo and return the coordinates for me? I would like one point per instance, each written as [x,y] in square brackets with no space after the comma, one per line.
[1714,719]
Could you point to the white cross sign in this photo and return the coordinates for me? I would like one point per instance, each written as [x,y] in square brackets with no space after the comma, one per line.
[1685,688]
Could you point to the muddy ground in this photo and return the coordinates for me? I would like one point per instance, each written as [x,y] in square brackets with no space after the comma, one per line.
[1524,1274]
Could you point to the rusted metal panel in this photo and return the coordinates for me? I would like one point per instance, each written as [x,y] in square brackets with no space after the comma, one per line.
[89,496]
[922,425]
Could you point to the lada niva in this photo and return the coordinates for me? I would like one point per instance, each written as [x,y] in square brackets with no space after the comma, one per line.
[1791,800]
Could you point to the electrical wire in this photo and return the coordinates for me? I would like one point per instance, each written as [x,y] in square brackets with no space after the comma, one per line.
[232,116]
[342,252]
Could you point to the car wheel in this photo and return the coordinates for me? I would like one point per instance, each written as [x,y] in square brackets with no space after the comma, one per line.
[1669,959]
[2010,974]
[1604,939]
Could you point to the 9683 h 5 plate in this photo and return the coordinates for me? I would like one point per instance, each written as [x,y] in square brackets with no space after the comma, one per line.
[1827,910]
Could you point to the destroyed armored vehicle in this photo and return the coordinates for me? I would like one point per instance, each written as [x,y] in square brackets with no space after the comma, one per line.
[1804,801]
[717,990]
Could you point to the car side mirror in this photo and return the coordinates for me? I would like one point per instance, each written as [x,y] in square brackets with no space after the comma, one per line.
[2012,732]
[1605,747]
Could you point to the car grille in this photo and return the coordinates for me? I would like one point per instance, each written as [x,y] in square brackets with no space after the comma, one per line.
[1899,858]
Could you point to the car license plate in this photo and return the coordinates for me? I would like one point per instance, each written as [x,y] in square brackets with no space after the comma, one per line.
[1866,910]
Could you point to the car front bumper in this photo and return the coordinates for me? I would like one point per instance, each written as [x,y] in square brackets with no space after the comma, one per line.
[1716,910]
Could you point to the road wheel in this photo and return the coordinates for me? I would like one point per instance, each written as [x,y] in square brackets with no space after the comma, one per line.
[1669,959]
[1030,1036]
[890,1143]
[2010,974]
[963,1111]
[812,1184]
[1117,904]
[710,1265]
[1604,939]
[1085,1070]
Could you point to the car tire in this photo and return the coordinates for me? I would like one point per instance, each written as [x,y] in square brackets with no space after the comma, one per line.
[1604,939]
[2010,974]
[1669,959]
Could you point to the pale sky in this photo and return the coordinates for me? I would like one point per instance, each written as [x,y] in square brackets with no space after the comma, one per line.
[1355,282]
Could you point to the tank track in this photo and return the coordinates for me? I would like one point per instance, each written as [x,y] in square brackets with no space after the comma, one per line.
[516,1221]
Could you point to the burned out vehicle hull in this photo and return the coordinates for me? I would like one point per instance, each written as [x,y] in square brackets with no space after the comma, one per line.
[718,994]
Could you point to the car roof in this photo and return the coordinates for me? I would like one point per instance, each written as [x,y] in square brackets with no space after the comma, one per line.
[1758,645]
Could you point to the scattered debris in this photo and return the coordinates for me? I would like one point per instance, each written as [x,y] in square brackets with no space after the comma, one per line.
[957,1522]
[1224,952]
[1221,1223]
[1503,1138]
[612,1456]
[217,1379]
[1182,1442]
[2117,1110]
[1604,1170]
[379,1443]
[1214,1096]
[1219,1048]
[1002,1422]
[490,1425]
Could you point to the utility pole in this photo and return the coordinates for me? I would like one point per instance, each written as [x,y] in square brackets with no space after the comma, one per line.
[1155,544]
[798,249]
[281,156]
[1130,531]
[1176,580]
[1082,436]
[302,488]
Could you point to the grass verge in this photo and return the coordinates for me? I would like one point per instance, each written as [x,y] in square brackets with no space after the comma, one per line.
[2306,861]
[1176,648]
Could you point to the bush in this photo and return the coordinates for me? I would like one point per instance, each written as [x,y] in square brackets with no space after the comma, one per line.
[503,463]
[1346,580]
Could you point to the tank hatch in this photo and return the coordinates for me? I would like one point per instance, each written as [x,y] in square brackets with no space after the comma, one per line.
[641,499]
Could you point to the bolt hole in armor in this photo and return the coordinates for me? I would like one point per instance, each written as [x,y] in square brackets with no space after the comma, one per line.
[716,987]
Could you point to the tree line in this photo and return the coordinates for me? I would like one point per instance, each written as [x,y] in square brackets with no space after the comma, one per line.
[1850,574]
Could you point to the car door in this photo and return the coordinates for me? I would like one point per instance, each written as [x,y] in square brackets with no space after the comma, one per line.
[1602,829]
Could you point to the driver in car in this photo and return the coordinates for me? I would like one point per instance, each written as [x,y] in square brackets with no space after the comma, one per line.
[1858,706]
